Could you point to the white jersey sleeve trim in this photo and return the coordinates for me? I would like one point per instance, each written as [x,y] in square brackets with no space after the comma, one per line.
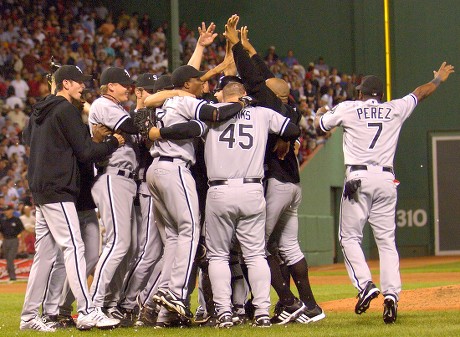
[414,97]
[321,124]
[197,110]
[120,121]
[284,126]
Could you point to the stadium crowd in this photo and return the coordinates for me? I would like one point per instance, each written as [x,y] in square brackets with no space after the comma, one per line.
[31,32]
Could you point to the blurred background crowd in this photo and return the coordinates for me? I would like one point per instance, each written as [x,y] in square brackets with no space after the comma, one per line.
[89,35]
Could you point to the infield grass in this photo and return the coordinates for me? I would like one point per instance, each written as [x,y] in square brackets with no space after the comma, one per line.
[411,323]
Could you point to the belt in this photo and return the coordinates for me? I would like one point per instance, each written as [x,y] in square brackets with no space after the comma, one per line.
[364,168]
[225,181]
[118,172]
[171,159]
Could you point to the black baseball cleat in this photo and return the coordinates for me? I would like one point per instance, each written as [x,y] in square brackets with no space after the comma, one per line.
[177,305]
[311,315]
[66,321]
[365,297]
[262,322]
[225,320]
[147,315]
[129,317]
[287,313]
[113,312]
[52,321]
[390,309]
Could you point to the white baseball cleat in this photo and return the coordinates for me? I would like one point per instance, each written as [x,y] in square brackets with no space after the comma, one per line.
[96,318]
[37,324]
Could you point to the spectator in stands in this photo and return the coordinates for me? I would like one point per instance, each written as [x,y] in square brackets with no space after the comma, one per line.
[12,99]
[290,60]
[20,87]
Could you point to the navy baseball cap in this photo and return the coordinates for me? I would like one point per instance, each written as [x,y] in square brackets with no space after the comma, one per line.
[371,85]
[116,75]
[146,81]
[184,74]
[164,82]
[224,80]
[70,72]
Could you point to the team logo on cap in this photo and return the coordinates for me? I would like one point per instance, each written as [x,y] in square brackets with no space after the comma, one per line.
[127,74]
[79,69]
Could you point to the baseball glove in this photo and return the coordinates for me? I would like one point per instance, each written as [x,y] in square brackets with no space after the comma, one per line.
[351,187]
[145,119]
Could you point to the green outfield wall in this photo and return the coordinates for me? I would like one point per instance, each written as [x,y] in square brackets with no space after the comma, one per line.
[350,36]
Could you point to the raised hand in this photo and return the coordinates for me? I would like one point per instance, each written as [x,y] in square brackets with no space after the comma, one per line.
[245,41]
[444,71]
[207,36]
[231,33]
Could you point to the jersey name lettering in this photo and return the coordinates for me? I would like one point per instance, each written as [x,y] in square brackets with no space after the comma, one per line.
[244,114]
[373,113]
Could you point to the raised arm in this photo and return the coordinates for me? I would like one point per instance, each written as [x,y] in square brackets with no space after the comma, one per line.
[207,36]
[440,76]
[248,72]
[258,61]
[156,100]
[227,66]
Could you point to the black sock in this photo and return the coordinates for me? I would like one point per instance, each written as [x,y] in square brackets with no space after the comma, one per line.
[278,283]
[299,272]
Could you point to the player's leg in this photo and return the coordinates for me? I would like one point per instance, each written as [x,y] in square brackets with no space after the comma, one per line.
[180,196]
[382,222]
[90,235]
[149,254]
[250,234]
[279,198]
[46,251]
[353,217]
[63,222]
[114,197]
[54,288]
[219,234]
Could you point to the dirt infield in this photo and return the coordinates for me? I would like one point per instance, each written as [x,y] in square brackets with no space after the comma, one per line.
[436,298]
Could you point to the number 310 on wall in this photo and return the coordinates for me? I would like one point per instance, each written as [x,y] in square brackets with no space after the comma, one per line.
[411,218]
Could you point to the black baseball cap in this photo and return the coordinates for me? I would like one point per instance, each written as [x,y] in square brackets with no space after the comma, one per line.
[371,85]
[70,72]
[146,81]
[185,73]
[164,82]
[224,80]
[116,75]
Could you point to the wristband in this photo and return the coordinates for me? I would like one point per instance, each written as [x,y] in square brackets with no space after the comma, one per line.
[436,81]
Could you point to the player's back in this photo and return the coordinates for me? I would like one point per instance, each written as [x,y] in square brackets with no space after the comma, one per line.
[371,128]
[177,110]
[236,148]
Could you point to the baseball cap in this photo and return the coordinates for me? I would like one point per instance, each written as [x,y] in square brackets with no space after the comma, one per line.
[70,72]
[224,80]
[8,207]
[146,81]
[116,75]
[371,85]
[164,82]
[185,73]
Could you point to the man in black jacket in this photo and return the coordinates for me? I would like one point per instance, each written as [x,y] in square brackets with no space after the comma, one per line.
[283,192]
[58,139]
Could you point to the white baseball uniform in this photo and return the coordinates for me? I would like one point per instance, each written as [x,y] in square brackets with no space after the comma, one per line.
[234,155]
[371,131]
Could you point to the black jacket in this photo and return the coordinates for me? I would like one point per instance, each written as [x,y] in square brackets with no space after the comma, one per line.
[58,138]
[254,72]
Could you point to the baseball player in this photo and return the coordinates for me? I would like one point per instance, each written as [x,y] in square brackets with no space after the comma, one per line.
[283,193]
[114,190]
[57,303]
[235,201]
[149,239]
[371,130]
[57,131]
[172,186]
